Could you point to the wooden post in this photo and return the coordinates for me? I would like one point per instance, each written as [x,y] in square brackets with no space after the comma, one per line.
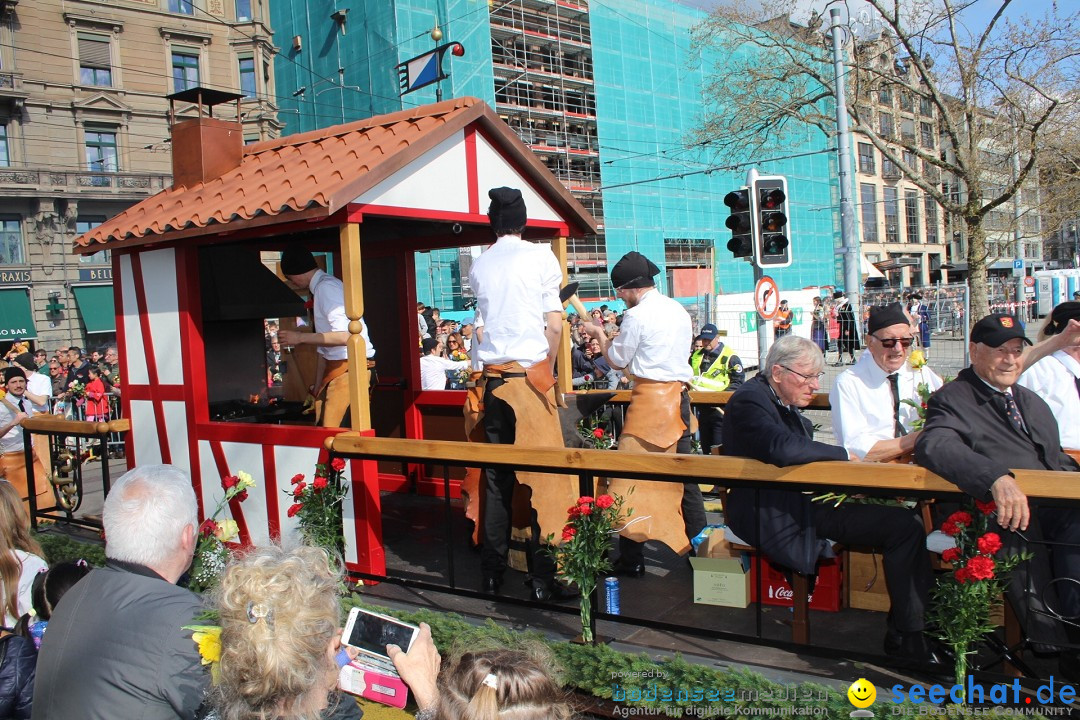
[359,400]
[800,619]
[566,373]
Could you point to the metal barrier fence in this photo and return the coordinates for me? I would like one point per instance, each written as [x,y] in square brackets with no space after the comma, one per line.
[76,410]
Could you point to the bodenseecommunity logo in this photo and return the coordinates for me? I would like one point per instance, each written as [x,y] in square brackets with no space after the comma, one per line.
[862,694]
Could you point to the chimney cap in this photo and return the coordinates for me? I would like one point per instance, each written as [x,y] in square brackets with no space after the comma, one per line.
[204,96]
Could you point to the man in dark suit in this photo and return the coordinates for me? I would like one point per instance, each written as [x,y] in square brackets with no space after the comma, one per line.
[764,423]
[980,426]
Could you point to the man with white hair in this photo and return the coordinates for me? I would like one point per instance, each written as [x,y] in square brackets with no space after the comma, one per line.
[116,647]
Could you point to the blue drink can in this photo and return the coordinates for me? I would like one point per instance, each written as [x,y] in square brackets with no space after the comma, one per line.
[611,591]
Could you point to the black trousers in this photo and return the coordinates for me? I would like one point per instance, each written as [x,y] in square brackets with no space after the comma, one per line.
[500,428]
[693,504]
[900,535]
[710,424]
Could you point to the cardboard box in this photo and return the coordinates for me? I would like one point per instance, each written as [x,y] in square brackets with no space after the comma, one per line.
[827,592]
[866,582]
[720,576]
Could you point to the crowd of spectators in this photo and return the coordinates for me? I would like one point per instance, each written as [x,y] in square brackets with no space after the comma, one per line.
[70,381]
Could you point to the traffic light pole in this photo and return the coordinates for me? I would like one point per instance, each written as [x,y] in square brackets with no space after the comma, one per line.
[762,325]
[847,208]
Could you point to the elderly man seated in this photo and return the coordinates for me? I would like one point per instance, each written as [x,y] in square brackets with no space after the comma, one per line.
[764,422]
[978,428]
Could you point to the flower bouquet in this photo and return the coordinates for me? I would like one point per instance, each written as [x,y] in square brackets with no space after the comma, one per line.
[212,551]
[317,505]
[76,389]
[582,556]
[963,599]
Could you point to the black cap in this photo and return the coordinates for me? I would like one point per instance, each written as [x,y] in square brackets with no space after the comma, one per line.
[507,210]
[27,361]
[838,294]
[13,372]
[297,260]
[998,328]
[1060,317]
[633,270]
[429,344]
[885,315]
[708,332]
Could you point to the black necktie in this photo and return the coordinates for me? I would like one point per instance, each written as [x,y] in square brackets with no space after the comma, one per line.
[1013,412]
[894,385]
[1078,385]
[22,408]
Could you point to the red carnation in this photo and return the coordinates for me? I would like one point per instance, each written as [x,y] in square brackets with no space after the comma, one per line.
[962,575]
[951,555]
[950,528]
[598,433]
[986,507]
[989,543]
[297,478]
[585,500]
[309,304]
[295,508]
[229,481]
[299,489]
[208,527]
[981,567]
[574,511]
[585,509]
[960,517]
[241,496]
[337,464]
[605,501]
[568,533]
[319,483]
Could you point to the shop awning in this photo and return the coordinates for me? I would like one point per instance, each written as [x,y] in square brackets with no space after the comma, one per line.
[96,308]
[16,318]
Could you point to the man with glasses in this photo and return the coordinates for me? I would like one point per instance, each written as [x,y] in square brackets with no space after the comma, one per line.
[651,346]
[979,428]
[869,415]
[764,422]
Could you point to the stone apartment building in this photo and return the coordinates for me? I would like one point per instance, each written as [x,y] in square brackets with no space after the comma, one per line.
[84,134]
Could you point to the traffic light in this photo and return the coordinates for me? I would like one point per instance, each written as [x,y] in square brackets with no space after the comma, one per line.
[741,223]
[772,243]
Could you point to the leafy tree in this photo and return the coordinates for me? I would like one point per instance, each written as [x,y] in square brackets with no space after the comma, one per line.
[1008,89]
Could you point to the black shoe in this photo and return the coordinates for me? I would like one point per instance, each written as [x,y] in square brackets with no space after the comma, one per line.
[630,569]
[490,585]
[553,592]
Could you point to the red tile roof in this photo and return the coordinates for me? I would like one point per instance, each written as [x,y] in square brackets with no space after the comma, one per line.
[315,174]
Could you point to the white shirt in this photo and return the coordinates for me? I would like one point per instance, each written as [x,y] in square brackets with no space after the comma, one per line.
[31,566]
[515,282]
[329,295]
[39,384]
[1054,380]
[862,404]
[433,371]
[13,438]
[653,340]
[421,325]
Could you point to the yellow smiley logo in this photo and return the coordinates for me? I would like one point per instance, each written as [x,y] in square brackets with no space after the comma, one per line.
[862,693]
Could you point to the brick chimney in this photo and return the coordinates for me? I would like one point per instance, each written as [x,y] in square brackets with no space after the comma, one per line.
[204,147]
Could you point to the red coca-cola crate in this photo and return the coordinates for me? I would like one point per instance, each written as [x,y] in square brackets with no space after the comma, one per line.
[827,592]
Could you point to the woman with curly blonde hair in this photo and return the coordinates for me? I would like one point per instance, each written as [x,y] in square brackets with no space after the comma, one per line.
[280,630]
[20,555]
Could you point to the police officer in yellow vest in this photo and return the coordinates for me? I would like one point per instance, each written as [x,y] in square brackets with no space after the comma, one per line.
[716,368]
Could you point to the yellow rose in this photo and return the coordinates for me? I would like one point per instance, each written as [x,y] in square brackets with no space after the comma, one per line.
[246,481]
[917,360]
[227,531]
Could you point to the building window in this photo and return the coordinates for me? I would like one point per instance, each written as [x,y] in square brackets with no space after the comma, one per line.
[95,60]
[1031,250]
[889,169]
[926,107]
[911,214]
[247,76]
[185,70]
[868,201]
[926,135]
[5,159]
[930,211]
[907,129]
[885,97]
[11,242]
[866,158]
[885,126]
[101,151]
[85,225]
[243,9]
[184,7]
[906,103]
[892,215]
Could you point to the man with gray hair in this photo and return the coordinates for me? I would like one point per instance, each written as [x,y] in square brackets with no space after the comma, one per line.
[764,422]
[116,647]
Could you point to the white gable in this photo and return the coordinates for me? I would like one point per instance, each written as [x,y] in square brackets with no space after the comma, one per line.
[492,170]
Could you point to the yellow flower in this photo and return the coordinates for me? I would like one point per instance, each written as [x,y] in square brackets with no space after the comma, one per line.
[917,360]
[208,639]
[246,481]
[227,531]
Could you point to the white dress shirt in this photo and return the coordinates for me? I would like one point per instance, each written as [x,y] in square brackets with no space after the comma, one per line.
[433,371]
[13,438]
[39,384]
[1054,380]
[329,312]
[862,402]
[515,282]
[654,340]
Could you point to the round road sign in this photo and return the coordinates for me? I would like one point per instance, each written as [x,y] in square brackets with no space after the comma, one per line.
[766,298]
[1029,281]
